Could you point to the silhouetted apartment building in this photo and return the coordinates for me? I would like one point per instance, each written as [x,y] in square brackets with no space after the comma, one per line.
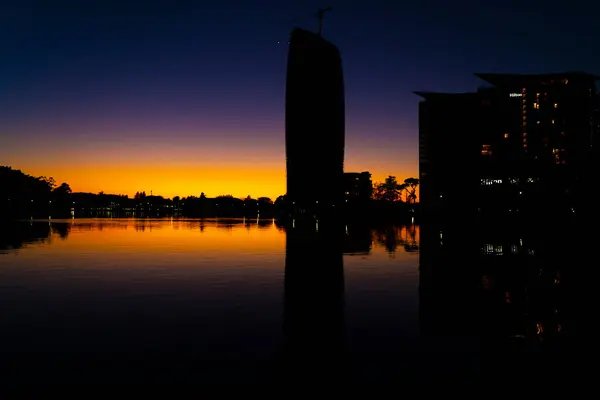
[358,186]
[314,122]
[524,144]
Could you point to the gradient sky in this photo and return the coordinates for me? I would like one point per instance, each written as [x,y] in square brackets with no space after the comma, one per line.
[183,97]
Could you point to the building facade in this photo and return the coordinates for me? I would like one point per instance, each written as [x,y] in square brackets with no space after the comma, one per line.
[314,123]
[358,187]
[523,145]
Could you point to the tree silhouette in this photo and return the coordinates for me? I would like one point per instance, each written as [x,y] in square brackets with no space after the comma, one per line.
[63,190]
[410,185]
[48,181]
[388,191]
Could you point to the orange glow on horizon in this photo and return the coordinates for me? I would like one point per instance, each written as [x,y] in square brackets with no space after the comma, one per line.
[185,167]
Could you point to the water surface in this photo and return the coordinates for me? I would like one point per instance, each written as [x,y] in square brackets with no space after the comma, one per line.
[204,295]
[227,301]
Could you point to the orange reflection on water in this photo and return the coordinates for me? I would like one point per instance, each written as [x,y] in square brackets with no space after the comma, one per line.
[182,242]
[392,237]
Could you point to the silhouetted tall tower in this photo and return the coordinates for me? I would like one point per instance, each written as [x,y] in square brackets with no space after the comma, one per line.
[314,122]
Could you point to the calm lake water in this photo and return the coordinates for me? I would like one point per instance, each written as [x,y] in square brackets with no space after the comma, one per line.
[252,301]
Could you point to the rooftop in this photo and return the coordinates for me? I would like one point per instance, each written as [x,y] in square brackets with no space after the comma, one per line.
[440,95]
[519,79]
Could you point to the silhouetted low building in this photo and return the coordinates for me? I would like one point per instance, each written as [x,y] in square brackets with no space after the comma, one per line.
[358,187]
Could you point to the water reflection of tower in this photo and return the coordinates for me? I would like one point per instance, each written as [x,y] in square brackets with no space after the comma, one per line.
[314,339]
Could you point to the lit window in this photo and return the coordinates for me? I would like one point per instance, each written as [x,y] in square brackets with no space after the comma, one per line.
[555,105]
[486,150]
[536,106]
[566,81]
[506,136]
[553,121]
[538,122]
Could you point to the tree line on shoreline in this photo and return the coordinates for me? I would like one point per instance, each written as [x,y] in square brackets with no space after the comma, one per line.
[23,195]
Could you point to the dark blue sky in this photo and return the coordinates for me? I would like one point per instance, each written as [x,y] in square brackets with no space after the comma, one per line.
[93,78]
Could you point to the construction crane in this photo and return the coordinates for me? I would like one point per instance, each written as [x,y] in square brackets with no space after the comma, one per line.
[320,14]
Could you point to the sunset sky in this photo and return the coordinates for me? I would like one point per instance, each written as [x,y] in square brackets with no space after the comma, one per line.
[183,97]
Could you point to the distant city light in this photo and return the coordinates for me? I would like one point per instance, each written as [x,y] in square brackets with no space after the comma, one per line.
[516,95]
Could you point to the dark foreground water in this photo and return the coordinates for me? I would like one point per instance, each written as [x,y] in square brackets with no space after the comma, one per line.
[228,301]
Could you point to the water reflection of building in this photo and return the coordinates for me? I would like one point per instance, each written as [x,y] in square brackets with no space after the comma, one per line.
[449,287]
[522,146]
[314,126]
[522,280]
[314,338]
[357,239]
[506,289]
